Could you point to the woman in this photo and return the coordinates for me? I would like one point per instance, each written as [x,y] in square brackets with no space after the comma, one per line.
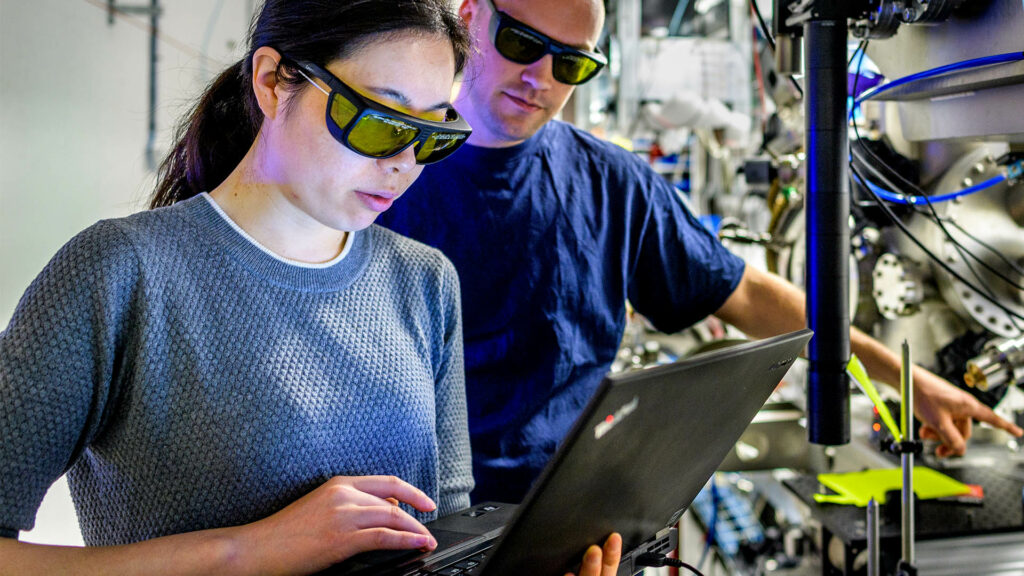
[251,380]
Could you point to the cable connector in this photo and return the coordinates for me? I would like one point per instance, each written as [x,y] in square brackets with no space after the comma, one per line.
[654,560]
[1015,172]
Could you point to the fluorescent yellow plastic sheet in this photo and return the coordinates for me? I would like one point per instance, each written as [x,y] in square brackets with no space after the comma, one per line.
[856,371]
[857,488]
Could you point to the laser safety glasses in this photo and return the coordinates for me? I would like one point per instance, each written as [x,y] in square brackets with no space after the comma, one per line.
[524,45]
[376,131]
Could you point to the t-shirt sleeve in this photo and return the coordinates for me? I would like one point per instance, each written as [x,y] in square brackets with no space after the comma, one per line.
[455,467]
[681,273]
[58,356]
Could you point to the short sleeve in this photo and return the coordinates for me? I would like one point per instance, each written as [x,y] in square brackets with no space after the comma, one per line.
[58,357]
[681,272]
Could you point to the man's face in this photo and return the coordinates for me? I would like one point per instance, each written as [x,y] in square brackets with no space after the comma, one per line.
[506,102]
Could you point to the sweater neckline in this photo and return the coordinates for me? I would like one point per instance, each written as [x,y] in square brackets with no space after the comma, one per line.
[332,276]
[344,250]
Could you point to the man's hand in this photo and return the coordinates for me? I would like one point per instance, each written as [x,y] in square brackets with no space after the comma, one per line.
[946,412]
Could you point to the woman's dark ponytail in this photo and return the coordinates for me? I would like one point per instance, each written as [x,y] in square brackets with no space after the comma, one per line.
[213,139]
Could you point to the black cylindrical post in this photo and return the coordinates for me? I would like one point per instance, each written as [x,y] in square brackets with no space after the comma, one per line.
[828,234]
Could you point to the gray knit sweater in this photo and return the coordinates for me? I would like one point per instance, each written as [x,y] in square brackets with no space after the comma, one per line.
[186,379]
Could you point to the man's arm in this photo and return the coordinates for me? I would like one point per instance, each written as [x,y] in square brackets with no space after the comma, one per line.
[764,305]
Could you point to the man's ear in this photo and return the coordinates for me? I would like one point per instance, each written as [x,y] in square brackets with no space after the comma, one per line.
[467,10]
[265,85]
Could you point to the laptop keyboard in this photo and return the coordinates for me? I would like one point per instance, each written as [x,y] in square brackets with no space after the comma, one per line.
[454,567]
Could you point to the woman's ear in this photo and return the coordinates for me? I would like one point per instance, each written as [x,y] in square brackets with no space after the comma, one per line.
[265,85]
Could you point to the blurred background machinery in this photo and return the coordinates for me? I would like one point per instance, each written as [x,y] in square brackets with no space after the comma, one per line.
[925,162]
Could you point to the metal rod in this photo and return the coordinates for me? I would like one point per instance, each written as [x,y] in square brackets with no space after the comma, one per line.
[907,458]
[828,232]
[874,569]
[154,19]
[153,10]
[628,21]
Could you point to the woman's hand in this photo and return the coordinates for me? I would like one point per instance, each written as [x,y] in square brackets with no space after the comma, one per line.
[602,561]
[341,518]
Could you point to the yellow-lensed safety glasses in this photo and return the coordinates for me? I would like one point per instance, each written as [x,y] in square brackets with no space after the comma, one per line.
[374,130]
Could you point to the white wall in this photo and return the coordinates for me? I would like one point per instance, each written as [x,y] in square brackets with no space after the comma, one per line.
[73,115]
[73,129]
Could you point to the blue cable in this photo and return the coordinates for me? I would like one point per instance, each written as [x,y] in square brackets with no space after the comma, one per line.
[918,200]
[709,539]
[1015,170]
[964,65]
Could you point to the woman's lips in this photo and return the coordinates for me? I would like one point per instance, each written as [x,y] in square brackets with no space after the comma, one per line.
[377,201]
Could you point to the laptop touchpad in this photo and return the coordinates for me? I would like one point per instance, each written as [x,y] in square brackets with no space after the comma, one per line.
[445,539]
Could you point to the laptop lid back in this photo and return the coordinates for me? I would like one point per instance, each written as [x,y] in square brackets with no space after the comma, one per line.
[642,449]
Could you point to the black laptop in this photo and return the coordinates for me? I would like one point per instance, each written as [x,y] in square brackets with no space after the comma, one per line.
[642,449]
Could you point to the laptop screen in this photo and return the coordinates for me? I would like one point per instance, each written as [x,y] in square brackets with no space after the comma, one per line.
[642,449]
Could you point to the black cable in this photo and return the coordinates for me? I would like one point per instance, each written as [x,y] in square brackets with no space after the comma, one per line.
[771,43]
[862,46]
[882,172]
[932,215]
[903,227]
[658,560]
[988,293]
[1010,263]
[796,85]
[918,191]
[962,250]
[764,27]
[861,49]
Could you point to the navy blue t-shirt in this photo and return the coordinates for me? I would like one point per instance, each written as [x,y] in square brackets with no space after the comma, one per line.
[550,237]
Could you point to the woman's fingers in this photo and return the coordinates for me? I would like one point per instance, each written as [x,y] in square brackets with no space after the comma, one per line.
[598,561]
[388,539]
[385,487]
[611,555]
[387,516]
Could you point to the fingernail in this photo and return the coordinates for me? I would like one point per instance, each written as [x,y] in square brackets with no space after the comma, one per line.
[429,499]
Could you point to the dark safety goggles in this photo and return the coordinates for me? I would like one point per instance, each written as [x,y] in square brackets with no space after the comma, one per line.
[377,131]
[524,45]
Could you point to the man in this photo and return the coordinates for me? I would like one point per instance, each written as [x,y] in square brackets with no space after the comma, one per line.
[552,230]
